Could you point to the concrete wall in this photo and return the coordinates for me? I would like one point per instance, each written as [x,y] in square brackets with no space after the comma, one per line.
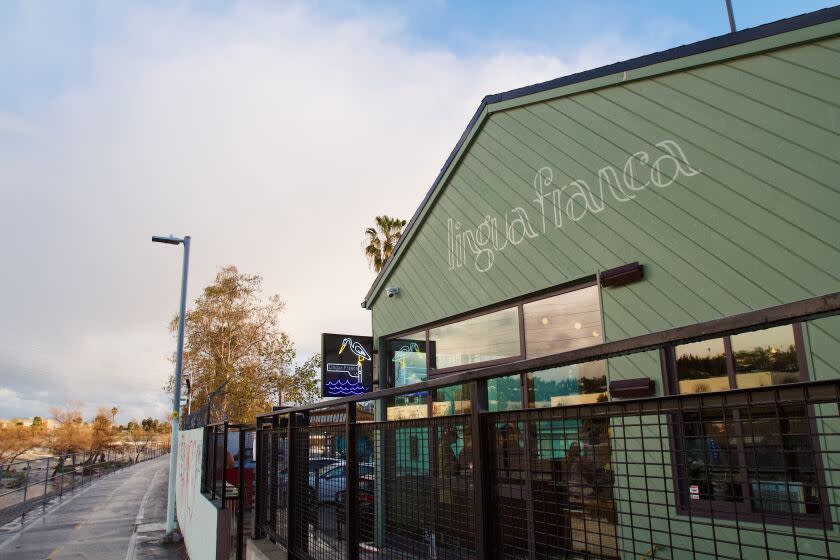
[197,516]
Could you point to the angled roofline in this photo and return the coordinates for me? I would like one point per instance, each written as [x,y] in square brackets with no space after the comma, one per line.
[766,30]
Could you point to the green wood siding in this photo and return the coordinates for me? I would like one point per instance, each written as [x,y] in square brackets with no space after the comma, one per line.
[756,223]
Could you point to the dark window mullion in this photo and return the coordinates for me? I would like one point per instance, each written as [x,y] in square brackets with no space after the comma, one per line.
[730,362]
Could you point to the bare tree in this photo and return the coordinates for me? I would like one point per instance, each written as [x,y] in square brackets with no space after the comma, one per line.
[15,441]
[140,439]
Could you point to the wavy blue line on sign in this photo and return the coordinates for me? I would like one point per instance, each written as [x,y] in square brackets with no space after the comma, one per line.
[343,387]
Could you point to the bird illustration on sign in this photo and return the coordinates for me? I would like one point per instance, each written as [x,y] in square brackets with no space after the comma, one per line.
[399,355]
[354,385]
[356,348]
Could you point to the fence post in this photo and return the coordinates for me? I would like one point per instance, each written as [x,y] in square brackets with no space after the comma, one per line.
[73,478]
[258,491]
[61,477]
[240,487]
[298,539]
[291,475]
[25,487]
[480,474]
[46,482]
[351,487]
[224,463]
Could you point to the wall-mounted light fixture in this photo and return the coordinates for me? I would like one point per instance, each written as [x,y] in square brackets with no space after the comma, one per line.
[622,275]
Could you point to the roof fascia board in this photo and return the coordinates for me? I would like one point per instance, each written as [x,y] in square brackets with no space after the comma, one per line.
[627,75]
[781,34]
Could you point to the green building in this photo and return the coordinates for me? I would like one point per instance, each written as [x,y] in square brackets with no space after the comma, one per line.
[696,185]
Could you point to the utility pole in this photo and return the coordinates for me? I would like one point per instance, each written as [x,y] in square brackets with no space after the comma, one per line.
[179,368]
[731,16]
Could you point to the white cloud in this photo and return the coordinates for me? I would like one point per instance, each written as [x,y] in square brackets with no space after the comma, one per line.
[272,136]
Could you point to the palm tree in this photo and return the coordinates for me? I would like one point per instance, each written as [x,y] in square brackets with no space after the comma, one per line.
[114,412]
[380,240]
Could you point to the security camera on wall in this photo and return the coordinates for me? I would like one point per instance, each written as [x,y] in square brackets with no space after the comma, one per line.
[391,291]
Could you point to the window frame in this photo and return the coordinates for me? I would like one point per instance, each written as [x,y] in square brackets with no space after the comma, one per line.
[518,303]
[743,510]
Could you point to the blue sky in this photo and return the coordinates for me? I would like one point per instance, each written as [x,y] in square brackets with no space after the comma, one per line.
[268,131]
[48,46]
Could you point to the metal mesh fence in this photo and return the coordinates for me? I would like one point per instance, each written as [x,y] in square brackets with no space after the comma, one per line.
[419,489]
[750,474]
[29,484]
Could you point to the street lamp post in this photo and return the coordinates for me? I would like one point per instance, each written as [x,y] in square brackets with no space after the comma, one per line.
[179,365]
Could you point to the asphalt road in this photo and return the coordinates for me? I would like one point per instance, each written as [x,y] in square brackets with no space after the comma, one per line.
[96,523]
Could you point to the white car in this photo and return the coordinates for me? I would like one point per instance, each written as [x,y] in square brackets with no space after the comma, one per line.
[332,479]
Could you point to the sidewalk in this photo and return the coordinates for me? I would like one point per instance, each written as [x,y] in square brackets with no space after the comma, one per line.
[147,541]
[118,516]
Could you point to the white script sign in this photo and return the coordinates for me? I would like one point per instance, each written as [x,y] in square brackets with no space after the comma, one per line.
[573,201]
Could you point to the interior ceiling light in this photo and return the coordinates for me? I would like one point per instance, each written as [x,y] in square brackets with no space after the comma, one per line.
[545,320]
[577,326]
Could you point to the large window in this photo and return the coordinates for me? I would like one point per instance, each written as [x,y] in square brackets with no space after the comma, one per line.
[754,359]
[563,322]
[486,338]
[536,326]
[574,384]
[752,460]
[407,358]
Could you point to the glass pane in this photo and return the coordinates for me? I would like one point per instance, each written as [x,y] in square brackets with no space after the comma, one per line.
[780,460]
[365,411]
[701,367]
[480,339]
[409,406]
[766,357]
[563,322]
[711,458]
[504,393]
[407,359]
[574,384]
[451,400]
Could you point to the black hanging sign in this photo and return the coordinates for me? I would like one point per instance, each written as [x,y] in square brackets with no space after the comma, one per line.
[347,365]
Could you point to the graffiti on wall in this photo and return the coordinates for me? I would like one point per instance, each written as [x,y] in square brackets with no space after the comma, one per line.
[555,205]
[189,474]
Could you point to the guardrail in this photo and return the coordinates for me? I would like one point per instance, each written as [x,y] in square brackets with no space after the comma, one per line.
[26,485]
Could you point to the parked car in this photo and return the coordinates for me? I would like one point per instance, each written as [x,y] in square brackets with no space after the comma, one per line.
[315,464]
[331,480]
[366,511]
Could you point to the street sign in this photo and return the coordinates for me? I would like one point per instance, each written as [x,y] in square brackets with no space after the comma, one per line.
[347,366]
[183,400]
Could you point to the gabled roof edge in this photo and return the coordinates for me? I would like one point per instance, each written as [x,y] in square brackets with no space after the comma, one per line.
[706,45]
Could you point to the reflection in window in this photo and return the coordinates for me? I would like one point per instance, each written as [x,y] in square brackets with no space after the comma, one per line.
[563,322]
[701,367]
[766,357]
[575,384]
[780,472]
[489,337]
[780,461]
[405,407]
[504,393]
[407,358]
[711,458]
[454,399]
